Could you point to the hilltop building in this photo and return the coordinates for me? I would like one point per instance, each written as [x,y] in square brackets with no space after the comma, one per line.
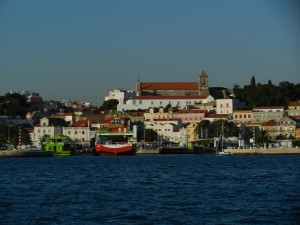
[121,95]
[199,88]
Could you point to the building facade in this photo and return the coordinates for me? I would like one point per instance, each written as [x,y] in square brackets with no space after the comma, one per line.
[146,102]
[242,116]
[266,113]
[121,95]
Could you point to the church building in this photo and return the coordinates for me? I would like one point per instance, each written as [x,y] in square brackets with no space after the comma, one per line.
[199,88]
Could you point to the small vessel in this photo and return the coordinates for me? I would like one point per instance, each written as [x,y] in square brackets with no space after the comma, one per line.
[25,151]
[115,137]
[59,145]
[222,152]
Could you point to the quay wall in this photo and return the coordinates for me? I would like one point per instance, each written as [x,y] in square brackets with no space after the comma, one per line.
[147,151]
[264,151]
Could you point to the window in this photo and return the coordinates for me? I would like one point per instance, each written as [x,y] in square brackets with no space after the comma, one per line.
[83,132]
[140,102]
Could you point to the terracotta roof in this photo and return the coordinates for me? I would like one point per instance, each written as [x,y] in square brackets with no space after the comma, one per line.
[295,117]
[169,85]
[191,111]
[81,123]
[295,103]
[170,97]
[268,107]
[217,116]
[269,123]
[242,111]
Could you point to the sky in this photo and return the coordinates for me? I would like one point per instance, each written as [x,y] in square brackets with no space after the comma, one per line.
[80,50]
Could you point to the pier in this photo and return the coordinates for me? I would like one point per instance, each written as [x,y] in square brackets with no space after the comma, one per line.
[264,151]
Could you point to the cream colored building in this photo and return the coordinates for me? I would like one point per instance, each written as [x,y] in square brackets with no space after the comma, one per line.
[228,105]
[168,130]
[242,116]
[294,108]
[266,113]
[81,134]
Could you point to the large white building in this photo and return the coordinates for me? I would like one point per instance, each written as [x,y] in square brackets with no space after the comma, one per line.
[121,95]
[167,129]
[79,134]
[46,127]
[228,105]
[146,102]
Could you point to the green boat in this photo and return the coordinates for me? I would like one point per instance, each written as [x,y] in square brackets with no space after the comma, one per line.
[59,145]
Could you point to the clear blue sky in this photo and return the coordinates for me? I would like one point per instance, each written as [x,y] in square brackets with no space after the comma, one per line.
[80,50]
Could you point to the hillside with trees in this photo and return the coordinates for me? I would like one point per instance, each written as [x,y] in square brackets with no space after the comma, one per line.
[267,94]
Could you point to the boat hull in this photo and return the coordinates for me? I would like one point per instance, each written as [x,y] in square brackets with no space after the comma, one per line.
[115,149]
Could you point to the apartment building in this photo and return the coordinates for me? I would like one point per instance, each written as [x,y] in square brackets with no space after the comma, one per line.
[266,113]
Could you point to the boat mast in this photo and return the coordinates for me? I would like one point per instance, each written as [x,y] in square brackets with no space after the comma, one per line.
[222,133]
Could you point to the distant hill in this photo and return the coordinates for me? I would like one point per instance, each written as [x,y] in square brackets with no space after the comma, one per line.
[268,94]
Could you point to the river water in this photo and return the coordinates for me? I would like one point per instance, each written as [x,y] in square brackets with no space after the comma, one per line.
[157,189]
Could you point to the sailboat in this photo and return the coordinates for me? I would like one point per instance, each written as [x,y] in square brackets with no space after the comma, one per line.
[222,153]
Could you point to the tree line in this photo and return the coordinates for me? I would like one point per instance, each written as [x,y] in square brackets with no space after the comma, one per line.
[267,94]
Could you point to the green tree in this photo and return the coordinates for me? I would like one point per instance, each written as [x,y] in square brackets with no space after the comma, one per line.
[150,135]
[13,105]
[43,139]
[109,105]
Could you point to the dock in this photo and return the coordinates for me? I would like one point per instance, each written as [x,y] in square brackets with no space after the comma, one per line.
[24,153]
[264,151]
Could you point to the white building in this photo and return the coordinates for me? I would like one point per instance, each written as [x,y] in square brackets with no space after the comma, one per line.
[81,134]
[167,130]
[121,95]
[48,126]
[146,102]
[228,105]
[266,113]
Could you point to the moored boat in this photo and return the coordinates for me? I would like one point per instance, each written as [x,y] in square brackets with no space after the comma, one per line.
[59,145]
[116,137]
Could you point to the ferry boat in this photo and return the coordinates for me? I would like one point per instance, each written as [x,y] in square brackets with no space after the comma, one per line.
[59,145]
[116,137]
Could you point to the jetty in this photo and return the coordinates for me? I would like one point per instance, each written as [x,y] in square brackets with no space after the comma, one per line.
[264,151]
[24,153]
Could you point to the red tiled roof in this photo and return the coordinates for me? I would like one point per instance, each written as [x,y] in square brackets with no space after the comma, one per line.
[81,123]
[169,97]
[217,116]
[295,117]
[169,85]
[192,111]
[268,107]
[295,103]
[269,123]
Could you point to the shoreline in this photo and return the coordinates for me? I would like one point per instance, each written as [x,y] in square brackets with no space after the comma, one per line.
[264,151]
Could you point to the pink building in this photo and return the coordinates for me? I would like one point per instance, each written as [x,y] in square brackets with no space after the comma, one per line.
[191,116]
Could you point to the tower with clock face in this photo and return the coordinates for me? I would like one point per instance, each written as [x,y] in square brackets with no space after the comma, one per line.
[203,84]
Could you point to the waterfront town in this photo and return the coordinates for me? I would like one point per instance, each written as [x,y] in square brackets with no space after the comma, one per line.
[189,115]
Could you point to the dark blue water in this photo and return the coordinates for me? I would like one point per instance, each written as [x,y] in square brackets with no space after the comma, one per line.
[160,189]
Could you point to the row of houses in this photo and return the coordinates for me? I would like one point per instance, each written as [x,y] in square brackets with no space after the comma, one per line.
[179,126]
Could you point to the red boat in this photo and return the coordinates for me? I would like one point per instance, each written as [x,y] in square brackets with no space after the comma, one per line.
[115,138]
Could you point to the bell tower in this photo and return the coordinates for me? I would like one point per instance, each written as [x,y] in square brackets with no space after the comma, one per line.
[203,87]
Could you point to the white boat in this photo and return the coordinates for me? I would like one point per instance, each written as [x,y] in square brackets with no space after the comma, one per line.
[222,152]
